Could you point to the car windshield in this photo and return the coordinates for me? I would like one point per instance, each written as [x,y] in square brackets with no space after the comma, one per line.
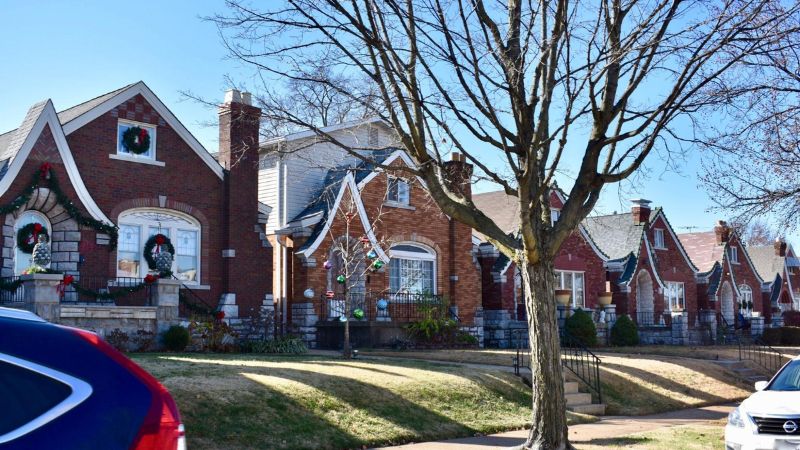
[788,379]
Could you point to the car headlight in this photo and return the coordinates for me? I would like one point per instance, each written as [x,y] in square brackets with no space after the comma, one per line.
[735,418]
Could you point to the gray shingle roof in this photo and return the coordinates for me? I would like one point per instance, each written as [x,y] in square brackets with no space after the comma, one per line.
[767,263]
[616,235]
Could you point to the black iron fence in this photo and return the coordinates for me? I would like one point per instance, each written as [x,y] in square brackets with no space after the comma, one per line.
[377,306]
[119,291]
[575,357]
[653,318]
[762,354]
[12,291]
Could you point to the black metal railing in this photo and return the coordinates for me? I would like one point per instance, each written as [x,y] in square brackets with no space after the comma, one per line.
[13,293]
[191,303]
[118,291]
[653,318]
[762,354]
[575,357]
[381,306]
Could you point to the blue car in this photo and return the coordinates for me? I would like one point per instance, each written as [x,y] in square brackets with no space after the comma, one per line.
[66,388]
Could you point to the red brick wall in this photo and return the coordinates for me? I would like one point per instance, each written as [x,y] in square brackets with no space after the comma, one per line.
[744,273]
[671,264]
[643,263]
[424,224]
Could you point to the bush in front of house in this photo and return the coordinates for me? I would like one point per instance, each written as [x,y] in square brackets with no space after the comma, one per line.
[624,332]
[289,344]
[791,318]
[790,335]
[581,327]
[176,338]
[772,336]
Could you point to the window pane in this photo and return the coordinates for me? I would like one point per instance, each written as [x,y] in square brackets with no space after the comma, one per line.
[128,251]
[26,395]
[578,290]
[122,128]
[187,243]
[186,268]
[129,238]
[392,194]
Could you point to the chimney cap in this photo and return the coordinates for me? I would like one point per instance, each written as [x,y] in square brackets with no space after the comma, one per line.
[722,223]
[247,98]
[641,202]
[233,96]
[456,156]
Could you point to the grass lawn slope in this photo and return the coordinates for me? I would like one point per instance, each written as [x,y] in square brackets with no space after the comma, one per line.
[254,401]
[687,437]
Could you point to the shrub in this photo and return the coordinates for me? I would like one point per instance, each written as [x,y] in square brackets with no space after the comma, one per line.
[118,339]
[143,340]
[624,332]
[790,335]
[176,338]
[791,318]
[772,336]
[285,344]
[581,327]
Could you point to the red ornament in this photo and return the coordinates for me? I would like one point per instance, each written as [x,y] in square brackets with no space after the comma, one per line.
[68,279]
[142,135]
[364,240]
[37,228]
[44,170]
[329,294]
[220,315]
[150,278]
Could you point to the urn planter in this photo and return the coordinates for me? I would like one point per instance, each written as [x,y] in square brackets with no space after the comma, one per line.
[562,296]
[604,298]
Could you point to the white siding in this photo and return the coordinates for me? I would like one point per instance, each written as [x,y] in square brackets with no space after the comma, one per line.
[268,188]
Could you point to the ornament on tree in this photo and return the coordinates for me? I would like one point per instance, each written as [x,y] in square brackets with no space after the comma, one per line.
[342,318]
[364,240]
[372,254]
[136,140]
[377,264]
[341,279]
[308,293]
[329,294]
[382,304]
[358,313]
[41,252]
[327,265]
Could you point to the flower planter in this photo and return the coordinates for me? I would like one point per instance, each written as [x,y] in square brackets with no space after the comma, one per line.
[562,296]
[604,298]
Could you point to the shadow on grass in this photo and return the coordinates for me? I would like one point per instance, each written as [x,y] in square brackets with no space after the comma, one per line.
[625,441]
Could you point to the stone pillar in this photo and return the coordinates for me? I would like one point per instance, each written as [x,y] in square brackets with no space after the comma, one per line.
[680,328]
[562,312]
[611,315]
[708,317]
[756,326]
[41,295]
[304,320]
[166,299]
[777,320]
[227,304]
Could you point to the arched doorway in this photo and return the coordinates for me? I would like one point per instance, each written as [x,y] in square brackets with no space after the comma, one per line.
[726,305]
[22,260]
[645,310]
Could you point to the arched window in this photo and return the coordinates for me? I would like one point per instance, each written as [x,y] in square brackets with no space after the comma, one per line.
[412,269]
[745,298]
[22,260]
[138,225]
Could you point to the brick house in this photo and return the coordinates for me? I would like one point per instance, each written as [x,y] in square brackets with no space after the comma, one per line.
[778,267]
[110,200]
[424,254]
[727,275]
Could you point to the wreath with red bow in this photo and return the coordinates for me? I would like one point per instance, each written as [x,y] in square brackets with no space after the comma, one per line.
[28,236]
[153,246]
[136,140]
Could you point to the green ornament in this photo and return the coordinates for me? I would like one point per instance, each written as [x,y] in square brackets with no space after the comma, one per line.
[340,279]
[358,313]
[377,264]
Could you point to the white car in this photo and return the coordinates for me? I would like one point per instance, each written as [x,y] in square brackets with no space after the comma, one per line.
[770,418]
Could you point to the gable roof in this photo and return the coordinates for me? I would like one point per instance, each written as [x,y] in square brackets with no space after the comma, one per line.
[329,129]
[766,262]
[616,234]
[502,208]
[702,249]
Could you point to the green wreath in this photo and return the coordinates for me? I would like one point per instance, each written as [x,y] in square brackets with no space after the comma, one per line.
[151,243]
[25,240]
[136,140]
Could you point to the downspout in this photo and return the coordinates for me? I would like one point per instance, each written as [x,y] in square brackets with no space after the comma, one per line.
[283,172]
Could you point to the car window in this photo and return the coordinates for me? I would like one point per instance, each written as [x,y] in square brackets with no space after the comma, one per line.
[26,395]
[788,379]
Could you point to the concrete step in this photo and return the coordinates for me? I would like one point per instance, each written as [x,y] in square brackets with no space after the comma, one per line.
[571,387]
[578,399]
[595,409]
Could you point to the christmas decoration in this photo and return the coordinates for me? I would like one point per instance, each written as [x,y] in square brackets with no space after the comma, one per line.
[329,294]
[342,318]
[372,254]
[358,313]
[45,173]
[341,279]
[164,262]
[62,286]
[327,265]
[219,315]
[105,294]
[28,236]
[41,252]
[150,278]
[382,304]
[308,293]
[136,140]
[157,244]
[10,286]
[364,240]
[377,264]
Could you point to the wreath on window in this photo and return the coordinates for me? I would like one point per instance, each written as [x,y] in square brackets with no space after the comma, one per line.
[28,236]
[136,140]
[156,242]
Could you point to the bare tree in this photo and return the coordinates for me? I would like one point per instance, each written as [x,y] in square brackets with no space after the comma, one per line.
[756,232]
[522,89]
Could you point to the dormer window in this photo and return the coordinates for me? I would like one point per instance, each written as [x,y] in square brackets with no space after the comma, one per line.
[398,191]
[136,140]
[658,238]
[733,254]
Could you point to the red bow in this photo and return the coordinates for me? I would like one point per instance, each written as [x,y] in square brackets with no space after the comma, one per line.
[44,170]
[68,279]
[160,240]
[142,135]
[37,228]
[150,278]
[220,315]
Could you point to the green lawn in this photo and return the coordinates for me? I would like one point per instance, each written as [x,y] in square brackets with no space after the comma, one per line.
[688,437]
[255,401]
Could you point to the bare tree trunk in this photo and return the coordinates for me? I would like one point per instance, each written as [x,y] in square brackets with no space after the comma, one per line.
[549,420]
[346,352]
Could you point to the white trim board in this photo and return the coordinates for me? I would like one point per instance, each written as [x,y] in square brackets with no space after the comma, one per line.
[48,116]
[141,89]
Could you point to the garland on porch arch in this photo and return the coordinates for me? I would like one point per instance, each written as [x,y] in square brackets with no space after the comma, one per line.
[45,177]
[120,292]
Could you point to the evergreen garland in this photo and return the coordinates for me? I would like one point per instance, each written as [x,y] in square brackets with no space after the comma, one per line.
[118,293]
[10,286]
[46,177]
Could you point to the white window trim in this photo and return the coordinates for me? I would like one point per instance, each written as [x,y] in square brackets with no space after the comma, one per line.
[669,294]
[555,214]
[132,156]
[659,232]
[746,291]
[41,218]
[572,274]
[733,254]
[399,202]
[144,236]
[136,159]
[417,256]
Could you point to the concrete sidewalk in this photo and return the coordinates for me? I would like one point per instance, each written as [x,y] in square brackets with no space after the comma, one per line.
[608,427]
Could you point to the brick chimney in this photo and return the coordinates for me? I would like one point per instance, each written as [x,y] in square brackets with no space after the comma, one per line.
[722,232]
[780,247]
[640,210]
[242,247]
[458,173]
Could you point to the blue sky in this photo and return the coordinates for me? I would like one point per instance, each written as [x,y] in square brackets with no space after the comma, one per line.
[73,51]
